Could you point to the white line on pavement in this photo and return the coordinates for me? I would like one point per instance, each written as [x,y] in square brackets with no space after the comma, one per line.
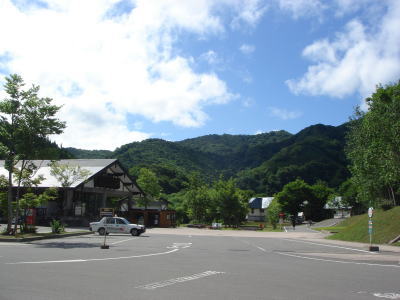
[12,244]
[387,295]
[160,284]
[262,249]
[337,261]
[121,241]
[91,259]
[332,246]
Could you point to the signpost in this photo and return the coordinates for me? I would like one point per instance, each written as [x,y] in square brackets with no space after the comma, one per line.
[370,214]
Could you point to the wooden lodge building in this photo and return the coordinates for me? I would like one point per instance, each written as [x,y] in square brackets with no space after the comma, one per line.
[108,186]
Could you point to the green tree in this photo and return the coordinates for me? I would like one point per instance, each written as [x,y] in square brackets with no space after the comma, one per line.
[373,147]
[3,196]
[315,207]
[273,212]
[31,200]
[67,175]
[26,122]
[231,202]
[197,199]
[148,182]
[294,196]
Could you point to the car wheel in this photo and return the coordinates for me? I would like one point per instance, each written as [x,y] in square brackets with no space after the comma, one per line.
[134,232]
[102,231]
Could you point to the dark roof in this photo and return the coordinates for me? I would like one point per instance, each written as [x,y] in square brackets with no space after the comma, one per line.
[255,202]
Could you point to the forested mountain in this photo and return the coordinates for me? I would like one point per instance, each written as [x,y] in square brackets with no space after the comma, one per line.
[80,153]
[262,163]
[315,153]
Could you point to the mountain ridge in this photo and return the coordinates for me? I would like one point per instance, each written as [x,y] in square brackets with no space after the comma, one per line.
[262,162]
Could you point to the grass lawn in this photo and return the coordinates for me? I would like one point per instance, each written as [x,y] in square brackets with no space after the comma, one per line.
[386,226]
[332,229]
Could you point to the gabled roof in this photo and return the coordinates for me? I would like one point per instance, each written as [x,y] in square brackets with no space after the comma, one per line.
[260,202]
[92,165]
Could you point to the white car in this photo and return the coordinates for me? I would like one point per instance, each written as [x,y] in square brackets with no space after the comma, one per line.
[116,225]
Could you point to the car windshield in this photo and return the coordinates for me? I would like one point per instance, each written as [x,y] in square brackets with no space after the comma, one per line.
[124,220]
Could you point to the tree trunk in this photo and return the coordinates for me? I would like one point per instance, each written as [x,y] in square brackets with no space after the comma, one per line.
[10,197]
[17,198]
[393,196]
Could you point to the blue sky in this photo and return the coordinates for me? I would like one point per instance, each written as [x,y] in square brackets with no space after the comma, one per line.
[129,70]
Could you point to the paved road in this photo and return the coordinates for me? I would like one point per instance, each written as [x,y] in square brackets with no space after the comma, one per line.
[197,264]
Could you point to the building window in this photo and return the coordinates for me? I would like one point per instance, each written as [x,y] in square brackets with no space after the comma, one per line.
[252,211]
[262,210]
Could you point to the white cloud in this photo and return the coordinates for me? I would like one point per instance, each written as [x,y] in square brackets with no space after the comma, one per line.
[303,8]
[247,49]
[247,102]
[284,114]
[106,59]
[357,59]
[211,57]
[249,12]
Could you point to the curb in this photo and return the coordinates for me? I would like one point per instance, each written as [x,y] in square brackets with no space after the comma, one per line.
[36,238]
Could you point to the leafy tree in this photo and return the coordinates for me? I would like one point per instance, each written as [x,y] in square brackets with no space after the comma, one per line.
[295,196]
[32,200]
[197,199]
[177,203]
[231,202]
[3,195]
[67,175]
[373,145]
[315,207]
[26,122]
[148,182]
[273,211]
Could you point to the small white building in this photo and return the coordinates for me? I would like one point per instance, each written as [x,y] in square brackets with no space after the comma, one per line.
[257,208]
[339,208]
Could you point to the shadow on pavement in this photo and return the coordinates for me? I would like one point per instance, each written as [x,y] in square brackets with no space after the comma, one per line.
[66,245]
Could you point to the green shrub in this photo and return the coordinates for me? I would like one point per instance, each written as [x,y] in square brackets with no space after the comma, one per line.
[57,226]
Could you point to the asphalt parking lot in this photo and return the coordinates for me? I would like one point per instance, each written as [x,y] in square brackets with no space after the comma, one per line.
[194,265]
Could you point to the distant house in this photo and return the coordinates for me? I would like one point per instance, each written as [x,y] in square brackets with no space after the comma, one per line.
[257,208]
[338,208]
[157,214]
[81,202]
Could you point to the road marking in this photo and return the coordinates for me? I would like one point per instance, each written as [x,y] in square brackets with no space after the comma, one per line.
[121,241]
[91,259]
[160,284]
[337,261]
[387,295]
[13,244]
[332,246]
[246,242]
[180,245]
